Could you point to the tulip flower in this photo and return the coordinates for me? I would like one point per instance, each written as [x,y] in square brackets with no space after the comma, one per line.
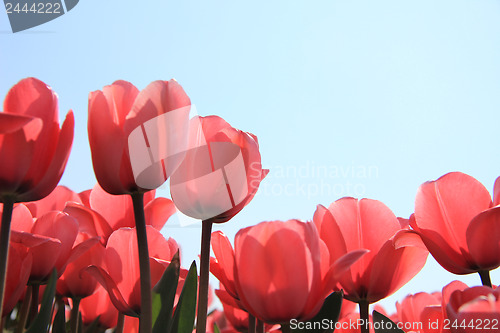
[119,274]
[34,151]
[17,277]
[395,254]
[475,309]
[99,306]
[458,223]
[218,176]
[136,139]
[221,172]
[409,311]
[114,113]
[105,213]
[56,200]
[72,283]
[282,270]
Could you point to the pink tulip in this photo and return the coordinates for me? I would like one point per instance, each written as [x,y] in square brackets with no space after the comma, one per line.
[99,306]
[280,272]
[456,219]
[119,274]
[33,149]
[395,253]
[106,213]
[475,309]
[220,174]
[114,113]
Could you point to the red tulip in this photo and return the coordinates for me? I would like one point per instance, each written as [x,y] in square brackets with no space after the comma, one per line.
[280,272]
[56,200]
[395,253]
[221,172]
[222,267]
[409,311]
[475,309]
[50,240]
[106,213]
[119,274]
[73,283]
[33,149]
[455,218]
[118,110]
[18,273]
[99,306]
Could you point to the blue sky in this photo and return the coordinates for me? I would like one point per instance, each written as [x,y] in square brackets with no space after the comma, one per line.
[406,89]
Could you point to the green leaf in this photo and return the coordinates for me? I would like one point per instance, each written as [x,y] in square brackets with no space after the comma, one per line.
[382,324]
[42,320]
[94,326]
[326,317]
[216,328]
[185,313]
[164,296]
[59,324]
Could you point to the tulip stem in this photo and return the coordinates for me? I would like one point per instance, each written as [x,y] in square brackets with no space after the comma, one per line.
[8,207]
[146,315]
[120,323]
[252,328]
[285,328]
[364,315]
[485,278]
[74,315]
[35,295]
[260,326]
[25,307]
[206,234]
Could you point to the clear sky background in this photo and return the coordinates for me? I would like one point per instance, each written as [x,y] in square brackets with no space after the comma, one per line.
[383,95]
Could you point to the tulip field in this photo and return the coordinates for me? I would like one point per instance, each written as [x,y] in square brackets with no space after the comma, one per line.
[252,167]
[96,260]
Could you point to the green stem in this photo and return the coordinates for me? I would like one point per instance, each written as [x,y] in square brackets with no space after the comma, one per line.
[364,315]
[485,278]
[206,234]
[8,207]
[74,315]
[285,328]
[252,328]
[35,292]
[146,316]
[25,307]
[120,323]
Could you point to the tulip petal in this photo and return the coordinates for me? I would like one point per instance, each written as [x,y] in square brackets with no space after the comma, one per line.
[444,209]
[329,232]
[56,200]
[483,239]
[60,226]
[393,268]
[114,293]
[10,123]
[47,181]
[158,211]
[21,218]
[107,158]
[496,192]
[286,292]
[117,210]
[90,222]
[224,255]
[157,98]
